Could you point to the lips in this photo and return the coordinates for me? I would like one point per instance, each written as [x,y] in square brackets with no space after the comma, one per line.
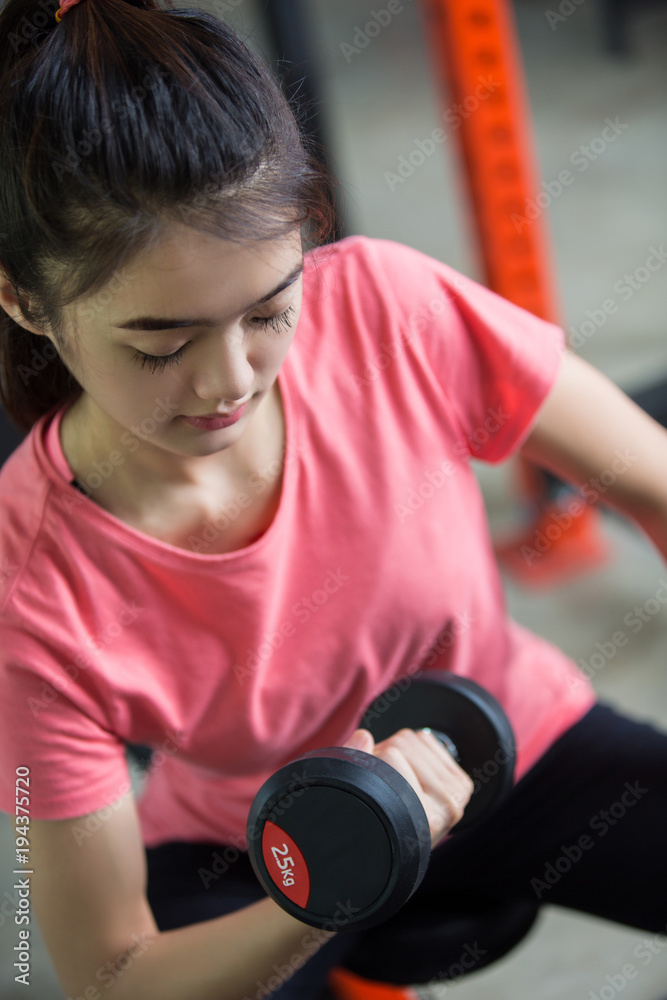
[216,415]
[217,421]
[213,416]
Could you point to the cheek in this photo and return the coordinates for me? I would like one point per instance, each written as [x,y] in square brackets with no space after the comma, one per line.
[270,354]
[131,392]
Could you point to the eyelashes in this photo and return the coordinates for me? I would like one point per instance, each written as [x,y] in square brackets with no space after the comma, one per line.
[284,319]
[157,362]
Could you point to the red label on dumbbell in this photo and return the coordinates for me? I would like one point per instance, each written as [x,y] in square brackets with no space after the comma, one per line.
[286,864]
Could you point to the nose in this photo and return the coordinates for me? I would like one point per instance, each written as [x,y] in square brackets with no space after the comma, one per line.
[223,371]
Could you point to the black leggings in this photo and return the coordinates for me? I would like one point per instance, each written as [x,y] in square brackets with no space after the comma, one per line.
[584,829]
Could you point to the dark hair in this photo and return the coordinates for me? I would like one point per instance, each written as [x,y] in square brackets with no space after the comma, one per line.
[126,117]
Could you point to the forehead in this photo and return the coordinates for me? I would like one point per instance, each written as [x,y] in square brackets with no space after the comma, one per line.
[189,272]
[184,250]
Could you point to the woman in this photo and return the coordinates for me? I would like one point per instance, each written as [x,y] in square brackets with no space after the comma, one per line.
[245,507]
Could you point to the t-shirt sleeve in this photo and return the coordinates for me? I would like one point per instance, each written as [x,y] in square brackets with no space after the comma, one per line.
[496,362]
[52,726]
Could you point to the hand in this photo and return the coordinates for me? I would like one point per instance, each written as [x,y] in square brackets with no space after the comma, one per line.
[443,787]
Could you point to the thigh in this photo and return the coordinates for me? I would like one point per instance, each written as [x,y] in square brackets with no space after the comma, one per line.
[584,829]
[192,882]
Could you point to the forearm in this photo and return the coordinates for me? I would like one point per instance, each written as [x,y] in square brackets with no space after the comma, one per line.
[652,519]
[645,504]
[228,958]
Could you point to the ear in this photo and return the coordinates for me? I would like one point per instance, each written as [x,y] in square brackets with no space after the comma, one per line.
[10,303]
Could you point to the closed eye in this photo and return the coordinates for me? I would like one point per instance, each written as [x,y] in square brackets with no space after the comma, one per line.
[158,362]
[284,319]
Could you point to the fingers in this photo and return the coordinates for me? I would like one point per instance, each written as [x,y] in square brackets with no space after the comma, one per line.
[361,739]
[462,790]
[443,786]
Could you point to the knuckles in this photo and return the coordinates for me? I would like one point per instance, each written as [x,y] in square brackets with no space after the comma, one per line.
[456,811]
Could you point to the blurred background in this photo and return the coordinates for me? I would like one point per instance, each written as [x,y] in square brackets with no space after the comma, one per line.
[595,77]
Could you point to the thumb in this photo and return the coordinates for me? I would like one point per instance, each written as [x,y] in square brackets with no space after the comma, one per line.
[361,739]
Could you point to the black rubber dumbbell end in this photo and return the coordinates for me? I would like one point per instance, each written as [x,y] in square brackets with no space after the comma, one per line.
[346,812]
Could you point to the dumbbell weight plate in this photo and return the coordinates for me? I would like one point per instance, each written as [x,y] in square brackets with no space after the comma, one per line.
[348,813]
[469,716]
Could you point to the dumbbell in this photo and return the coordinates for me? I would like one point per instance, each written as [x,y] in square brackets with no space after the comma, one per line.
[340,839]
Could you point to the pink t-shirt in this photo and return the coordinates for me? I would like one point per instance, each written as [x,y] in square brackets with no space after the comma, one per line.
[378,562]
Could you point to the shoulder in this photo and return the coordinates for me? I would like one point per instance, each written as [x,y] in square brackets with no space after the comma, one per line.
[375,270]
[24,493]
[369,252]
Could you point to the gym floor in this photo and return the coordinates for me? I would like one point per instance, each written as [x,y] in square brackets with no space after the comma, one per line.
[378,102]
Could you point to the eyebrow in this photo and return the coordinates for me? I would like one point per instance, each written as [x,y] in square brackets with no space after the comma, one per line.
[159,323]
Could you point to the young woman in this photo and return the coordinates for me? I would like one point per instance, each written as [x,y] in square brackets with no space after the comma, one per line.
[244,507]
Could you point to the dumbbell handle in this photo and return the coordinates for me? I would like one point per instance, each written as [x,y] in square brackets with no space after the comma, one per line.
[445,740]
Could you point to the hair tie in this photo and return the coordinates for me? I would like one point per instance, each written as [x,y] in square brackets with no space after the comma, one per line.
[64,6]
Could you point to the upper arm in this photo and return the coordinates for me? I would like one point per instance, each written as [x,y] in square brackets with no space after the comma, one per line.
[89,892]
[589,429]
